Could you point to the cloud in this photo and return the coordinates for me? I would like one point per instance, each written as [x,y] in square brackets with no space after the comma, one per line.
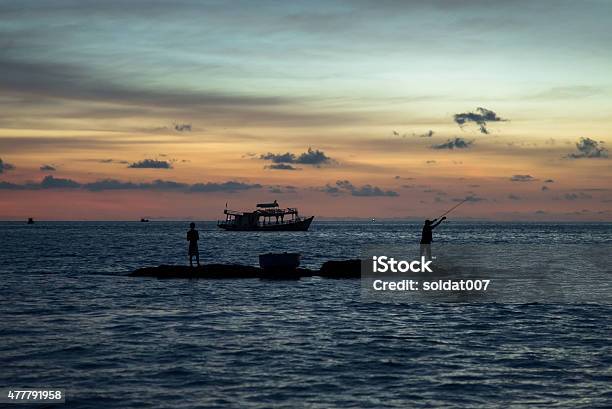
[279,157]
[331,190]
[589,148]
[470,198]
[47,168]
[50,182]
[457,143]
[310,157]
[430,162]
[182,127]
[85,90]
[10,186]
[576,196]
[544,188]
[231,186]
[5,166]
[65,81]
[363,191]
[549,181]
[281,166]
[427,134]
[481,117]
[514,197]
[151,164]
[522,178]
[168,185]
[281,189]
[111,184]
[114,184]
[124,162]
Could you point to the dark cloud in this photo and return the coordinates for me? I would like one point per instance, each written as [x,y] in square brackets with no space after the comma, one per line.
[522,178]
[589,148]
[313,157]
[182,127]
[457,143]
[60,80]
[231,186]
[281,166]
[436,191]
[329,189]
[50,182]
[470,198]
[430,162]
[310,157]
[168,185]
[114,184]
[279,157]
[10,186]
[124,162]
[577,196]
[36,81]
[5,166]
[481,117]
[545,188]
[151,164]
[365,190]
[47,168]
[427,134]
[282,189]
[513,197]
[549,181]
[111,184]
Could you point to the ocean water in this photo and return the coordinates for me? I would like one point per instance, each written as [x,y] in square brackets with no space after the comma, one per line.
[70,318]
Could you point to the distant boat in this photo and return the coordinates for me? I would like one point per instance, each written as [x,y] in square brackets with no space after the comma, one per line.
[144,220]
[267,217]
[30,220]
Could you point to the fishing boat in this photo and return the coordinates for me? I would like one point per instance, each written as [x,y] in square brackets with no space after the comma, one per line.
[266,217]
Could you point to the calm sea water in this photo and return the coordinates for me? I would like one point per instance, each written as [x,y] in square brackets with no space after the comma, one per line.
[70,318]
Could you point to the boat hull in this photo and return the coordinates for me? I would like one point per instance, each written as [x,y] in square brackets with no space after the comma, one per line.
[301,225]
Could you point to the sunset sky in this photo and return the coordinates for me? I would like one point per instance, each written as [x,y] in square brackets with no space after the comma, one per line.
[388,109]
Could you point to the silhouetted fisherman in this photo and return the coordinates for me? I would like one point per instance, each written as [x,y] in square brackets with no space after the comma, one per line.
[193,237]
[427,236]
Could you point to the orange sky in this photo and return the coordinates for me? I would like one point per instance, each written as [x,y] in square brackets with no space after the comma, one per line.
[104,109]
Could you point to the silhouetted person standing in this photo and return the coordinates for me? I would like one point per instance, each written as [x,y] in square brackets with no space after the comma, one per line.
[192,238]
[427,236]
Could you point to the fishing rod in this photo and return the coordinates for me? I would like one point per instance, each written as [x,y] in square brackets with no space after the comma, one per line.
[453,208]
